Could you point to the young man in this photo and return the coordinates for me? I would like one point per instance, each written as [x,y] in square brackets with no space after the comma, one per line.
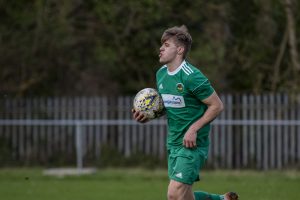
[191,104]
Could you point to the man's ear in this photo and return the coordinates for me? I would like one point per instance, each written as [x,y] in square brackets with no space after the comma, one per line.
[180,50]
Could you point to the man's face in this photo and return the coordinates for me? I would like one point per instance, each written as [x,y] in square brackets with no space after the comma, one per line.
[168,51]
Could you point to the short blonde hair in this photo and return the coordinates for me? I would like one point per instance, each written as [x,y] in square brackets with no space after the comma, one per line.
[181,36]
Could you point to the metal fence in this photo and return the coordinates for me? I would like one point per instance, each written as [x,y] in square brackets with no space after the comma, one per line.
[254,131]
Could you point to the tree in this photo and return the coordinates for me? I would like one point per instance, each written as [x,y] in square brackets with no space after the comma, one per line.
[54,48]
[291,34]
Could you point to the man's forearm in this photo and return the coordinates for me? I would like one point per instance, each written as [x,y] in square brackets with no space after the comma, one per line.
[210,114]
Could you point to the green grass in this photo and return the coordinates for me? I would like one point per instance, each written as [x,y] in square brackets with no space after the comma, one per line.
[138,184]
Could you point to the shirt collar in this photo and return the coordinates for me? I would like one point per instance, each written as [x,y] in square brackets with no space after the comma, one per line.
[177,69]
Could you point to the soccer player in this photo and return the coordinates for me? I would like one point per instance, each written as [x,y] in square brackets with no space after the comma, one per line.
[191,104]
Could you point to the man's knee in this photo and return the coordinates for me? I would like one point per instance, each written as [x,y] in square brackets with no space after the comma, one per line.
[173,191]
[171,195]
[177,190]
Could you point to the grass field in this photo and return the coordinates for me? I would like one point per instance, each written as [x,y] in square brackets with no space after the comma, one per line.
[138,184]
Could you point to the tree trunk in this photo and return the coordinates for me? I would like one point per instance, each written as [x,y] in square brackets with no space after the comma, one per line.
[292,34]
[278,60]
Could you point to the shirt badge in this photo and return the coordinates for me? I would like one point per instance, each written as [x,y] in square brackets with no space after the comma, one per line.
[179,87]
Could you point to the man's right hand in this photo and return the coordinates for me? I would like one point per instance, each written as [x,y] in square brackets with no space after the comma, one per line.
[139,117]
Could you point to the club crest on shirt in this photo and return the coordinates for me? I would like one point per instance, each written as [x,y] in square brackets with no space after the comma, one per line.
[179,87]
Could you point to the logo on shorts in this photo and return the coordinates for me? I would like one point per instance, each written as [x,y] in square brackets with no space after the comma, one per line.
[179,175]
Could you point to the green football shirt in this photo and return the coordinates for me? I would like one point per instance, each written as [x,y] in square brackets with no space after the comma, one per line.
[182,91]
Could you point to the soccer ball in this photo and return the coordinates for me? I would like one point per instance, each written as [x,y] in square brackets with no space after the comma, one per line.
[149,103]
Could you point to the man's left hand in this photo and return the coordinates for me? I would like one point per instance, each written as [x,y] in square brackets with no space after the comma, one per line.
[189,139]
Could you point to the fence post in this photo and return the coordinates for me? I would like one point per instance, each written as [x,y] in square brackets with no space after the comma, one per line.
[79,154]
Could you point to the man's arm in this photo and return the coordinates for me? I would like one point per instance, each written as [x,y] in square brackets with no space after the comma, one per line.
[214,108]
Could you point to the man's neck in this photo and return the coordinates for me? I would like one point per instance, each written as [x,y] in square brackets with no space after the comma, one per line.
[172,66]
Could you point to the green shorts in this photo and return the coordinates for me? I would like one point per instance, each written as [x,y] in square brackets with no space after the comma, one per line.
[184,164]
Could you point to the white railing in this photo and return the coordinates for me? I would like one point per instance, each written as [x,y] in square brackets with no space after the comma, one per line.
[261,132]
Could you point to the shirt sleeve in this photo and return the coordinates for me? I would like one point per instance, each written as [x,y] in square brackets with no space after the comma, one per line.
[199,85]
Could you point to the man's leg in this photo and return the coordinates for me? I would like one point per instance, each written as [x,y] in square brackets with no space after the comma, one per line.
[200,195]
[180,191]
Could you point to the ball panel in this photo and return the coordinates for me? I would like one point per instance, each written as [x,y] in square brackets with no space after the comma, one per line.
[149,102]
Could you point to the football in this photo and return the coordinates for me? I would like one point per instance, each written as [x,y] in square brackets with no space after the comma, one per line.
[149,102]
